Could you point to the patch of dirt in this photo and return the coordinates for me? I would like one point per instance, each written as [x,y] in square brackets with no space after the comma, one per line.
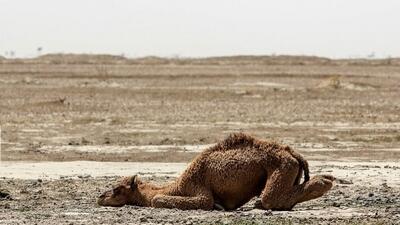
[365,192]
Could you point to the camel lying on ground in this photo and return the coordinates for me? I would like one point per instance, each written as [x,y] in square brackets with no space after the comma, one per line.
[226,176]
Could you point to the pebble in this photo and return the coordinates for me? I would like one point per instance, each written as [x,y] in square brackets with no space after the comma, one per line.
[5,194]
[143,219]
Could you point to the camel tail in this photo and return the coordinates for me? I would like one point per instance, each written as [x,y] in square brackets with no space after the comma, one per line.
[303,165]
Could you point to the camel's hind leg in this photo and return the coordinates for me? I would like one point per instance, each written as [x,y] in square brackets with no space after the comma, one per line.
[204,201]
[281,191]
[316,187]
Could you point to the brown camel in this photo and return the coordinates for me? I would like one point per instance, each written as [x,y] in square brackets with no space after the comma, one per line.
[226,176]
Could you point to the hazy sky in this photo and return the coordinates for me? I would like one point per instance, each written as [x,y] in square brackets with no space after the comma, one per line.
[334,28]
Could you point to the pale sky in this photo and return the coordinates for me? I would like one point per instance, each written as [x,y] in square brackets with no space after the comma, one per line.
[332,28]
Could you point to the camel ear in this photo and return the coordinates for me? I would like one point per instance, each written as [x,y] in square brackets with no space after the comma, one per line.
[134,182]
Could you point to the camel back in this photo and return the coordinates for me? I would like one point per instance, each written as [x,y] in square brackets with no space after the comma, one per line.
[240,140]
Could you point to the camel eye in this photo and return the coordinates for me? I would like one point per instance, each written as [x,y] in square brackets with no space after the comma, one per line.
[116,191]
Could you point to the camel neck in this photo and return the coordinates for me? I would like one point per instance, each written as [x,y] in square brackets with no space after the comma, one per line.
[147,191]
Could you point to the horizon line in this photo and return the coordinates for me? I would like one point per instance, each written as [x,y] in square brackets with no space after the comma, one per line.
[182,57]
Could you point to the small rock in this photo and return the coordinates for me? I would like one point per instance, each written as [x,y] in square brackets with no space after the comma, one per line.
[72,142]
[343,181]
[143,219]
[85,176]
[5,195]
[107,141]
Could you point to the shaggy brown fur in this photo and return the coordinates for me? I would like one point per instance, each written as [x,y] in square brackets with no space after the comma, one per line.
[228,175]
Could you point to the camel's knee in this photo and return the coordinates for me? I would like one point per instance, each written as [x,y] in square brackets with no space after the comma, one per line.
[158,201]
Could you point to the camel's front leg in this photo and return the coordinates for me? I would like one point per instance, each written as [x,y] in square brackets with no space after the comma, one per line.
[204,202]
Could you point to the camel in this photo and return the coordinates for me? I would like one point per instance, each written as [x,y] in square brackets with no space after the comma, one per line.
[226,176]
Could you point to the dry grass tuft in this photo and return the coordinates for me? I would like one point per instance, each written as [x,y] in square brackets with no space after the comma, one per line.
[333,82]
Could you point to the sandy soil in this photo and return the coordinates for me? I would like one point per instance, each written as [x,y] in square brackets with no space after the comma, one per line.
[65,192]
[70,130]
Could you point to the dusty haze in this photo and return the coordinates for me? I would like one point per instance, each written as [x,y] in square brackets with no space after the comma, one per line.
[338,28]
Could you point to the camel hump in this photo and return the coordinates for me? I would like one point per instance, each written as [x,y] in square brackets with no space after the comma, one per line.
[237,140]
[242,140]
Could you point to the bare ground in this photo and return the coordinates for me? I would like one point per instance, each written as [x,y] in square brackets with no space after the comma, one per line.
[65,192]
[334,114]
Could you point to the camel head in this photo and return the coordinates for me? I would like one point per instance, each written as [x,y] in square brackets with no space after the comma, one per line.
[124,193]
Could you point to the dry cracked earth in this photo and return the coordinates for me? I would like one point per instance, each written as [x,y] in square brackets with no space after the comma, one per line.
[68,131]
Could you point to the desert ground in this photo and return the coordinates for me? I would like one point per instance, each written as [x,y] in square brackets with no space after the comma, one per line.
[72,125]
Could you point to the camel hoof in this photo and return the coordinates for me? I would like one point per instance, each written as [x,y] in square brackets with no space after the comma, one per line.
[319,185]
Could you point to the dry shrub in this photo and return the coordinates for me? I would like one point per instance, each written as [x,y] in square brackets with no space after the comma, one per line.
[332,82]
